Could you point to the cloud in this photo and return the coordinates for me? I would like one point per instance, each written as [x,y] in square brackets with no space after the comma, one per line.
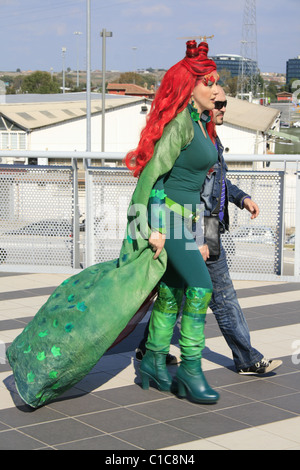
[152,10]
[150,27]
[159,10]
[60,29]
[4,3]
[216,7]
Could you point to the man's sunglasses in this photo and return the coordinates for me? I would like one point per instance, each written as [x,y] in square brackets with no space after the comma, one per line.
[220,104]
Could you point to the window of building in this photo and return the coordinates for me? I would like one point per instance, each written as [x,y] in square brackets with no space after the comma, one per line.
[12,137]
[13,140]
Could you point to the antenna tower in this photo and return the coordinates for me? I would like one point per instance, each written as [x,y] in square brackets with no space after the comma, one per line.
[248,68]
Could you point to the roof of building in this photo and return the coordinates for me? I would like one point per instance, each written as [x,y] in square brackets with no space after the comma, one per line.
[284,93]
[129,89]
[227,56]
[35,115]
[251,116]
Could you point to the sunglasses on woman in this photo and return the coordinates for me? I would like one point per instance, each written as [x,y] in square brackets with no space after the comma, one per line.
[220,104]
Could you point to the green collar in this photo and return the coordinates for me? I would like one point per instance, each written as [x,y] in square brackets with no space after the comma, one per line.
[205,117]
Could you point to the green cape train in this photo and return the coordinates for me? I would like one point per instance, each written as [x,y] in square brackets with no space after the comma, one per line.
[85,315]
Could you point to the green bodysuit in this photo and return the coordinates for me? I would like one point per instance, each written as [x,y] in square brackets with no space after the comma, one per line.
[182,185]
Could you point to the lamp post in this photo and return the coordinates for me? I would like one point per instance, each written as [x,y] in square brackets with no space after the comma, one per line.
[88,77]
[134,66]
[77,33]
[104,34]
[64,50]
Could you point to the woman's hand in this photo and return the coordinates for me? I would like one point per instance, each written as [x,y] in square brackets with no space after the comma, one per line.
[157,241]
[204,250]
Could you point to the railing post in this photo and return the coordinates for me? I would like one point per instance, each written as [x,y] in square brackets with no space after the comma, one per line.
[76,231]
[281,223]
[89,235]
[297,228]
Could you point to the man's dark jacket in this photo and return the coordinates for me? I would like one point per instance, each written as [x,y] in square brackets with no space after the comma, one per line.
[210,192]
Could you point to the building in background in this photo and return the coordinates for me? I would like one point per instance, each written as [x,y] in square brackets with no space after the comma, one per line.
[234,63]
[292,69]
[58,123]
[129,89]
[278,78]
[249,128]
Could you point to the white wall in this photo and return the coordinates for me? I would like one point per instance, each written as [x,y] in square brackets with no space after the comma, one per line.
[122,130]
[240,140]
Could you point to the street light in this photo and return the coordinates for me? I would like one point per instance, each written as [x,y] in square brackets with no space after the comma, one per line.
[64,50]
[77,33]
[104,34]
[134,48]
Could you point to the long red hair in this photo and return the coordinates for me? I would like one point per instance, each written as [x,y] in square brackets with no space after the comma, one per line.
[211,128]
[171,98]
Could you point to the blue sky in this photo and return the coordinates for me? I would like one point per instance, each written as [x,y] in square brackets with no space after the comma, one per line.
[33,32]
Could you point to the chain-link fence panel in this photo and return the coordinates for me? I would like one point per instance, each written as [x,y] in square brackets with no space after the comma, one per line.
[254,246]
[108,195]
[36,216]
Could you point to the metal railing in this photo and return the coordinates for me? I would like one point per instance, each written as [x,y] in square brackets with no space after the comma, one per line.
[32,195]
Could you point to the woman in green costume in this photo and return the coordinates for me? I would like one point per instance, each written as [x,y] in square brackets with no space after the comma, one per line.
[87,312]
[173,203]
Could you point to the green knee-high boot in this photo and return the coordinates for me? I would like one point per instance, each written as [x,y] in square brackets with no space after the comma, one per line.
[162,322]
[190,377]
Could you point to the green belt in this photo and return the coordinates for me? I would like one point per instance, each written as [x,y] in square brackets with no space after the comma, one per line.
[181,210]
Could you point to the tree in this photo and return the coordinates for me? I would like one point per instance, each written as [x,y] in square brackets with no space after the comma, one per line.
[138,79]
[272,89]
[291,86]
[40,82]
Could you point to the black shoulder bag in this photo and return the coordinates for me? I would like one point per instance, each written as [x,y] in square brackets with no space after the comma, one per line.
[212,229]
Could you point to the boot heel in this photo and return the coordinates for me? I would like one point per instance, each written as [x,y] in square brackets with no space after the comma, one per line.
[181,389]
[145,381]
[192,382]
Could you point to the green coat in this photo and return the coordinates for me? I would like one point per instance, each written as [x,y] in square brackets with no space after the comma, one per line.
[87,312]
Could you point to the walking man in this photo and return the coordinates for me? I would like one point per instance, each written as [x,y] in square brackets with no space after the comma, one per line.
[224,302]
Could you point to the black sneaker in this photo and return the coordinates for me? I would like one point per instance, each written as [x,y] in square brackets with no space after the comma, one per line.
[170,360]
[139,354]
[263,367]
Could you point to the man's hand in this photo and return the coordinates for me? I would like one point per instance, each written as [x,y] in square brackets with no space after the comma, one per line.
[251,207]
[204,250]
[157,241]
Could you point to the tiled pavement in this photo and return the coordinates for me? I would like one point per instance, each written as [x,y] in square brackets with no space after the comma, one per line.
[109,410]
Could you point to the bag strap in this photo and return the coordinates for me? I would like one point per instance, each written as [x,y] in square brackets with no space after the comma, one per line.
[217,208]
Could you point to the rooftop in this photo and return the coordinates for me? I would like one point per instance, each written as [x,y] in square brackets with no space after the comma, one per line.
[129,89]
[34,115]
[228,56]
[249,115]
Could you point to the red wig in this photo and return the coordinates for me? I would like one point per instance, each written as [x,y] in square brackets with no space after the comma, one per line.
[171,98]
[211,128]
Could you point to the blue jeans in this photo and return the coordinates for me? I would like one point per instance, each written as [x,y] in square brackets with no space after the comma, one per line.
[229,315]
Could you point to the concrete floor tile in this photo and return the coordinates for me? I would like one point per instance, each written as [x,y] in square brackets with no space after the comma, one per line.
[202,444]
[289,429]
[60,431]
[155,436]
[15,440]
[252,438]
